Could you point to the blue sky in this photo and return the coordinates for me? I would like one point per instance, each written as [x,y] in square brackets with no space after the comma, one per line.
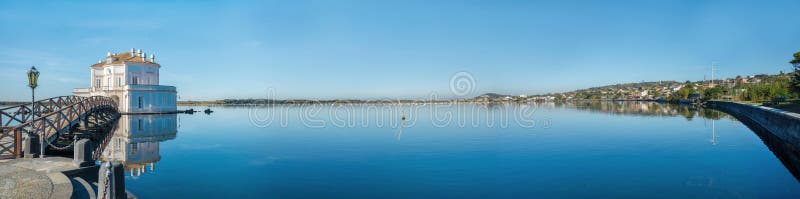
[394,49]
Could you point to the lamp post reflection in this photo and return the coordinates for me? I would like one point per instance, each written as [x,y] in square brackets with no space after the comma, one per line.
[713,134]
[135,142]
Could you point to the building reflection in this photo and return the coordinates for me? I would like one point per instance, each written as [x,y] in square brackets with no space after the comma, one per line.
[135,141]
[650,109]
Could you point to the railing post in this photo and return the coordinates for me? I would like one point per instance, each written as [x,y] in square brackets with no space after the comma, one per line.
[24,113]
[17,143]
[111,181]
[31,145]
[42,139]
[82,153]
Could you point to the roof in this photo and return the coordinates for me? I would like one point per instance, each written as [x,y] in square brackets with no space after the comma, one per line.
[125,57]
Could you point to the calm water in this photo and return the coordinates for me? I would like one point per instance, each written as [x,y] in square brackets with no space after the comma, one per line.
[630,150]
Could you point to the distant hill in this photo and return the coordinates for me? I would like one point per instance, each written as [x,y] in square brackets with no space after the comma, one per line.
[492,95]
[623,89]
[633,85]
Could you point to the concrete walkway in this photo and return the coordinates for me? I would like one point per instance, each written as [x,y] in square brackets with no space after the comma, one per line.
[35,178]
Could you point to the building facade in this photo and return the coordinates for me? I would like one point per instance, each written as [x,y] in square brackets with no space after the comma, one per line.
[132,80]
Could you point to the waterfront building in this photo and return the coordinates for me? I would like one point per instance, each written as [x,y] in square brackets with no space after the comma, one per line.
[132,80]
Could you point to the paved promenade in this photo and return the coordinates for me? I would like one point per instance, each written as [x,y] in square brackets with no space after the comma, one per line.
[35,178]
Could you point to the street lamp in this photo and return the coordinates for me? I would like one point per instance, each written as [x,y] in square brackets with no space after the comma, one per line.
[33,78]
[33,82]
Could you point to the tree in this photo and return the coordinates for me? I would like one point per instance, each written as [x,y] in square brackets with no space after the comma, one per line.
[795,84]
[776,87]
[684,92]
[712,93]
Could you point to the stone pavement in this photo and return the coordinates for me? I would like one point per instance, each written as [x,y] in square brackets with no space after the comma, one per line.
[35,178]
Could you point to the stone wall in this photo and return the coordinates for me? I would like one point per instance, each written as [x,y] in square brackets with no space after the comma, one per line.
[783,124]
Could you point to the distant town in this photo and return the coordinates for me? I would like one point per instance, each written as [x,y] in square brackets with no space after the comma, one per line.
[743,88]
[746,88]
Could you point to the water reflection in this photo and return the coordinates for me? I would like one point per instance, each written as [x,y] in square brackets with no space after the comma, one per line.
[135,141]
[787,152]
[652,145]
[652,109]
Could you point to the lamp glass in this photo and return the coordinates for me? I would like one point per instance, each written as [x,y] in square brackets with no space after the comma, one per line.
[33,77]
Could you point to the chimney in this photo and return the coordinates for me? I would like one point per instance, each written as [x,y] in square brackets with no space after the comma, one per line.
[139,54]
[144,57]
[153,57]
[109,58]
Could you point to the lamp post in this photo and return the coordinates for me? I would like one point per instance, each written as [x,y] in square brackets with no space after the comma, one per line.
[33,82]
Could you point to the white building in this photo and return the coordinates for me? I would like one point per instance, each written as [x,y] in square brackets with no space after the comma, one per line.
[131,79]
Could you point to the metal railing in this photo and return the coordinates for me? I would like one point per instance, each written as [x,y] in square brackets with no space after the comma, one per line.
[46,118]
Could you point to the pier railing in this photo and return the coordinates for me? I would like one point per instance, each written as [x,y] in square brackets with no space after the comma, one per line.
[46,118]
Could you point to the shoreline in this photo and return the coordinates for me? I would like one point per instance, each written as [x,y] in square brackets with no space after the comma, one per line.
[460,101]
[781,123]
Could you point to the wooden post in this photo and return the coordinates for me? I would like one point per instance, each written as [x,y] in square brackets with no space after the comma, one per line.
[17,143]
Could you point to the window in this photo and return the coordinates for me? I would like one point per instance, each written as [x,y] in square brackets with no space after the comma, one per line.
[96,83]
[134,148]
[134,80]
[139,125]
[119,81]
[140,102]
